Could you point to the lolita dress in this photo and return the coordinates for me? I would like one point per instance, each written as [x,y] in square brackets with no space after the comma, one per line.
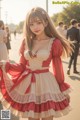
[29,89]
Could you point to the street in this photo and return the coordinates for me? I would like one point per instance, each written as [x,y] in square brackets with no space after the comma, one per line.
[73,80]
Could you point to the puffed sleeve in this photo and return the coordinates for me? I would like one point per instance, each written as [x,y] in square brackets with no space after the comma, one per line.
[17,67]
[57,66]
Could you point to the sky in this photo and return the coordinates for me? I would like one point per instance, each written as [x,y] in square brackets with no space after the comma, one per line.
[14,11]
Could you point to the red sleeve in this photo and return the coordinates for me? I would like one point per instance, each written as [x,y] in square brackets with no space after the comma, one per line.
[1,74]
[13,69]
[57,65]
[17,68]
[21,52]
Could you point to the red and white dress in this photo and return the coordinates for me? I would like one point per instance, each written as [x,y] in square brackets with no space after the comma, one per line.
[29,89]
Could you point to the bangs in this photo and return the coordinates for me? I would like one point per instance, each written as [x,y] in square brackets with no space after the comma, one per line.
[35,16]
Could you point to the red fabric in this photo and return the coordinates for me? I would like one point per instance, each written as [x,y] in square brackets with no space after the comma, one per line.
[1,76]
[33,79]
[57,64]
[33,106]
[21,52]
[15,70]
[22,47]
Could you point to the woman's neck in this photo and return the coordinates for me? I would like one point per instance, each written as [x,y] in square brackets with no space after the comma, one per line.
[42,37]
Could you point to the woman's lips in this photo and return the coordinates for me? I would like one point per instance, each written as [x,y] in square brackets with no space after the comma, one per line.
[36,31]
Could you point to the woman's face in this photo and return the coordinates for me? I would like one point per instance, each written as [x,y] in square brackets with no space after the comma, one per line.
[37,27]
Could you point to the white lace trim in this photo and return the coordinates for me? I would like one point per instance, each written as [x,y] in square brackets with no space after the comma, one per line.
[37,99]
[38,60]
[50,45]
[23,98]
[32,98]
[33,114]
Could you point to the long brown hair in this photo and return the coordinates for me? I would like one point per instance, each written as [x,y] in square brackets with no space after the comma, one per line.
[50,30]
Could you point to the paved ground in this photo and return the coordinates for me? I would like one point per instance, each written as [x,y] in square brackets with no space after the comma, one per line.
[73,80]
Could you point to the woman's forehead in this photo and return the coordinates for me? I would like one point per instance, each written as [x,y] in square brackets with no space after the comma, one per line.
[34,19]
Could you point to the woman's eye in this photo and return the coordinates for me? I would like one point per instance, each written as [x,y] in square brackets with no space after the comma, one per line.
[39,22]
[31,24]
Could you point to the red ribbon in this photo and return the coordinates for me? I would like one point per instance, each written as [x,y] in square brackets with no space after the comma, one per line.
[33,79]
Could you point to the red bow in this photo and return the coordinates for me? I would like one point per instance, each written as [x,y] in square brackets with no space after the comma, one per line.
[25,74]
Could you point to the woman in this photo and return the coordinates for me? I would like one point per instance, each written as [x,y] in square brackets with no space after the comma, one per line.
[8,38]
[33,92]
[3,39]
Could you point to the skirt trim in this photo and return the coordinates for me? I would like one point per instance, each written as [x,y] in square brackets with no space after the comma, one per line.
[35,114]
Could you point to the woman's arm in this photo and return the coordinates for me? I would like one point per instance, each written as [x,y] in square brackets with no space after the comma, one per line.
[57,50]
[17,67]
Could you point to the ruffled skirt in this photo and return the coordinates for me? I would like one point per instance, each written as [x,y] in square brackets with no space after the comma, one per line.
[44,99]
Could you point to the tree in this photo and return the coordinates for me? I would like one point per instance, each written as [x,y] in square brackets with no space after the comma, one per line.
[54,18]
[70,12]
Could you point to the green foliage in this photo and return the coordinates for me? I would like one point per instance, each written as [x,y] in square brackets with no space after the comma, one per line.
[70,12]
[54,18]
